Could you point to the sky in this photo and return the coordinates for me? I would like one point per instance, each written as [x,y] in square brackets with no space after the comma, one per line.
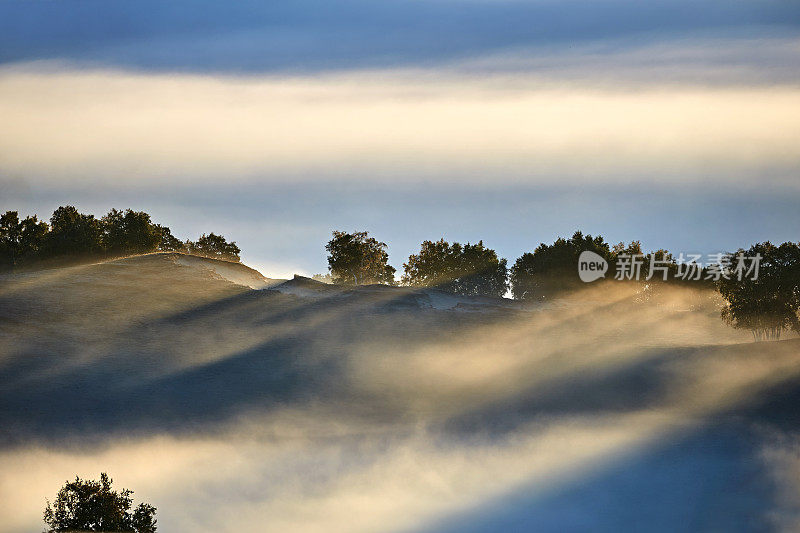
[676,123]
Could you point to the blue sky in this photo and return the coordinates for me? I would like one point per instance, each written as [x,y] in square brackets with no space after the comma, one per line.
[672,122]
[313,35]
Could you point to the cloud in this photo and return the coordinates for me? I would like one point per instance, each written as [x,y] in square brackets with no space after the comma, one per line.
[696,59]
[74,126]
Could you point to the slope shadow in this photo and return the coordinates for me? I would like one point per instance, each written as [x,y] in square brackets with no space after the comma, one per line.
[639,383]
[711,479]
[710,476]
[296,354]
[101,400]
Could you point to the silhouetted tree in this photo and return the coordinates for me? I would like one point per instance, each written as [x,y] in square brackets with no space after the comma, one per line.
[73,233]
[76,235]
[214,246]
[634,248]
[86,505]
[19,239]
[168,242]
[661,258]
[483,273]
[470,269]
[553,269]
[357,259]
[658,265]
[436,265]
[129,232]
[769,304]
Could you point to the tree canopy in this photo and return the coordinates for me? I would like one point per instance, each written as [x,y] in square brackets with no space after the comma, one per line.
[73,233]
[358,259]
[168,242]
[130,232]
[74,236]
[552,268]
[20,239]
[214,246]
[768,304]
[87,505]
[469,269]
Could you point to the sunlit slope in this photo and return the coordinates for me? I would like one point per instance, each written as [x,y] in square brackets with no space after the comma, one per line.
[122,288]
[306,405]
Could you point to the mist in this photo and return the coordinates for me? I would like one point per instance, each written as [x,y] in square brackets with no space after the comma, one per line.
[252,410]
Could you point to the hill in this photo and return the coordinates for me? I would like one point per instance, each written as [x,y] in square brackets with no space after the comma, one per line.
[323,408]
[396,297]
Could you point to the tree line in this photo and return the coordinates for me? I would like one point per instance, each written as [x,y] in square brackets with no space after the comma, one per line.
[474,269]
[71,236]
[767,305]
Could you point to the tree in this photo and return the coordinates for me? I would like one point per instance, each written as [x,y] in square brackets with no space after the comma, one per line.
[215,247]
[86,505]
[436,265]
[553,269]
[769,304]
[130,232]
[19,239]
[168,242]
[73,233]
[83,236]
[634,248]
[357,259]
[470,269]
[482,272]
